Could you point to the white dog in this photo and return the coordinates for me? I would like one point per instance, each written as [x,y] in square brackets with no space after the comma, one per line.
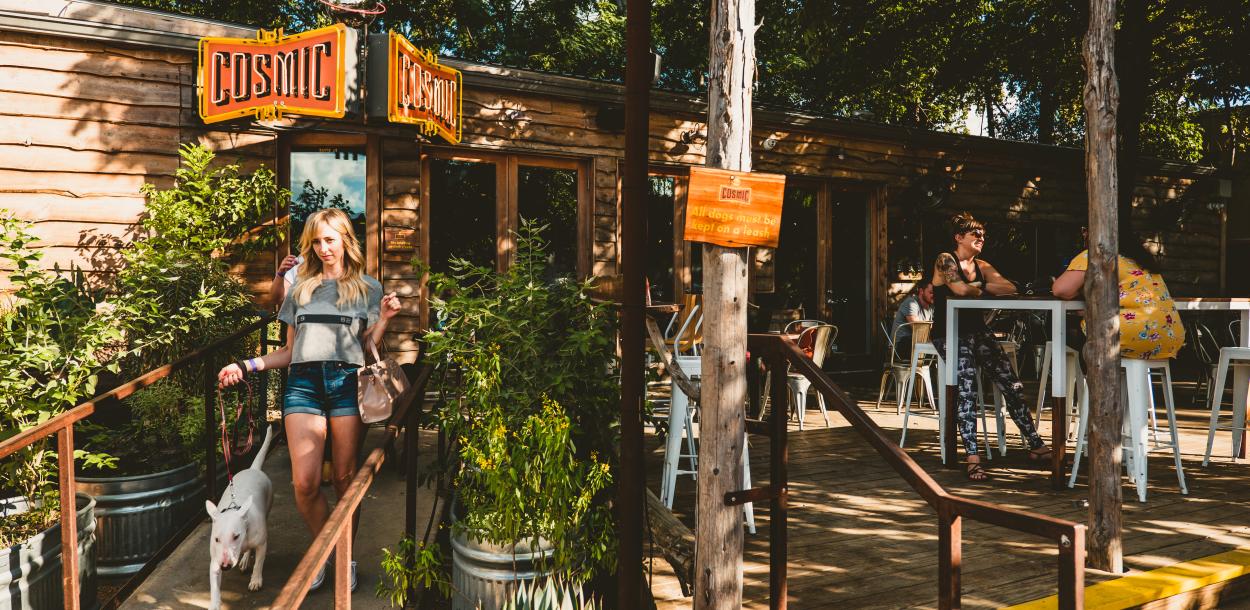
[240,532]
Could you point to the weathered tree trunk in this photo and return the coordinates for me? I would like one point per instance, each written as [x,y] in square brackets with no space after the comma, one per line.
[1102,303]
[718,568]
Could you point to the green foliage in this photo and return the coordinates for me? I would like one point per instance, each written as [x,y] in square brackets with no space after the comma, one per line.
[164,430]
[174,294]
[554,594]
[54,343]
[412,565]
[534,421]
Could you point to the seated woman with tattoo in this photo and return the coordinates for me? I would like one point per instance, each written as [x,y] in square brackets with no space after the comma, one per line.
[960,273]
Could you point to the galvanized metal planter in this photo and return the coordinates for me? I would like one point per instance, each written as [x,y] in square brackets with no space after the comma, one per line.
[137,515]
[488,574]
[30,573]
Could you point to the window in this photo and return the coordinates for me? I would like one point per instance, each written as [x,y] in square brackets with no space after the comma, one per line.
[326,179]
[476,201]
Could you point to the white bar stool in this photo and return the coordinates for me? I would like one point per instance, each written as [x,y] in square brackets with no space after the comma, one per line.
[681,426]
[1229,357]
[1139,395]
[1076,384]
[925,350]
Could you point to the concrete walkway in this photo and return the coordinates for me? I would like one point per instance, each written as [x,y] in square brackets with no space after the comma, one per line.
[181,581]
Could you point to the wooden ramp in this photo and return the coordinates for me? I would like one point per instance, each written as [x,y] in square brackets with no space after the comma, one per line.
[181,581]
[861,538]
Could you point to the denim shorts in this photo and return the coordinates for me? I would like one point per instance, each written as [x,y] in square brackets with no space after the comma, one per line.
[325,388]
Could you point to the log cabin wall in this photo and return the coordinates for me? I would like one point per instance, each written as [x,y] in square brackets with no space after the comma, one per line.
[94,103]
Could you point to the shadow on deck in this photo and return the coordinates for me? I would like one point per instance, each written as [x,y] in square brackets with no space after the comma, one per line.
[860,537]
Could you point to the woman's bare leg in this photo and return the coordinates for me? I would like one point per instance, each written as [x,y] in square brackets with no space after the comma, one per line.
[346,434]
[306,438]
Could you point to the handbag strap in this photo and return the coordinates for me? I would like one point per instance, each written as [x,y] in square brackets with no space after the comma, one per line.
[373,348]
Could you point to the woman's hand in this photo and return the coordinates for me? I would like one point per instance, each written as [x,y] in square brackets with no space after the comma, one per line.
[390,306]
[229,375]
[286,264]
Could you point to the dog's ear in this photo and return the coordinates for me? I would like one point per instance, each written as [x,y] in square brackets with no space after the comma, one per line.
[246,505]
[211,508]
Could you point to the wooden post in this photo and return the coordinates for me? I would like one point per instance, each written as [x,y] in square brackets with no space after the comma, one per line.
[779,464]
[950,558]
[630,487]
[69,518]
[718,535]
[1102,302]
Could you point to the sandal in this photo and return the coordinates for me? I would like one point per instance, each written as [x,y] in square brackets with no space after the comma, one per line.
[977,472]
[1041,454]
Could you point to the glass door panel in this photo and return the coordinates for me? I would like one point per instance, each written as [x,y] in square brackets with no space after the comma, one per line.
[462,213]
[548,196]
[797,250]
[848,294]
[660,262]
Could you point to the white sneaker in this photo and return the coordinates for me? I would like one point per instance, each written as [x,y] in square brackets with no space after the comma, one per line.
[353,576]
[319,580]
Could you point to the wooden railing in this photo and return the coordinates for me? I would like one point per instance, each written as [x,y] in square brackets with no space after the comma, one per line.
[63,426]
[951,509]
[336,534]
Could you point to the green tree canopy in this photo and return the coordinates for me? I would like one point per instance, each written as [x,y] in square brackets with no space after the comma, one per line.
[923,63]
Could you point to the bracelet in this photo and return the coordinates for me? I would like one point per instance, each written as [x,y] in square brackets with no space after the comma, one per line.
[279,274]
[243,366]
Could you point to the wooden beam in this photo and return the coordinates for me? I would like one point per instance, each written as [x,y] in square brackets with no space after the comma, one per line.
[718,539]
[674,540]
[1102,351]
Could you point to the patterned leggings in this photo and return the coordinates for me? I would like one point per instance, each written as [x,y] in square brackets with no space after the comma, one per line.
[981,350]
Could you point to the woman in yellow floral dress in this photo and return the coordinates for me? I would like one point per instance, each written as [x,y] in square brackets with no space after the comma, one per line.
[1150,328]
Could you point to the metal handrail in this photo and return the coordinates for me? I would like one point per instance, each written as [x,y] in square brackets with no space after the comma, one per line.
[336,534]
[63,426]
[951,509]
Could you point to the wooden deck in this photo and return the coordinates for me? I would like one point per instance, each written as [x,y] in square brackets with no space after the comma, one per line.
[861,538]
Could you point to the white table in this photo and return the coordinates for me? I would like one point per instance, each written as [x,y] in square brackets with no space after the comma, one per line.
[1241,374]
[1058,309]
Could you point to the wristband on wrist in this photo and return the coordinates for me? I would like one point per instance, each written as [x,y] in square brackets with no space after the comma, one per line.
[242,364]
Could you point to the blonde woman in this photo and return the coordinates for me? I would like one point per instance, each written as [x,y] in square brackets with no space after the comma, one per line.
[333,312]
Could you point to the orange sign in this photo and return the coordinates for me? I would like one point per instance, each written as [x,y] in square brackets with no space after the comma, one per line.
[422,92]
[734,209]
[275,74]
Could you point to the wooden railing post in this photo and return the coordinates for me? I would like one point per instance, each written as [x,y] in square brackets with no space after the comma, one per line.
[779,459]
[411,440]
[1072,570]
[950,558]
[69,517]
[343,569]
[210,426]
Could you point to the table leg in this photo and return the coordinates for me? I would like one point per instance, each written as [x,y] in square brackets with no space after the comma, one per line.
[1058,442]
[952,427]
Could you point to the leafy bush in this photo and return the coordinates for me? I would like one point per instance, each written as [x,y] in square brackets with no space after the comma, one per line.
[174,295]
[53,344]
[534,420]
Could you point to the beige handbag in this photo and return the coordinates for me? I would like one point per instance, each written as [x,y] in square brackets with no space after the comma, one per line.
[377,387]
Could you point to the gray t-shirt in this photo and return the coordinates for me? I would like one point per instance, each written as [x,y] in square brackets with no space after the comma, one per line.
[909,307]
[320,334]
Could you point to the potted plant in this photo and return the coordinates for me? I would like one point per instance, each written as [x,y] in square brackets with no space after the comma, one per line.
[533,423]
[174,295]
[53,346]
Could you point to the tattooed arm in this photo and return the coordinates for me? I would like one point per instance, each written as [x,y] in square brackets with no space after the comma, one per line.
[946,273]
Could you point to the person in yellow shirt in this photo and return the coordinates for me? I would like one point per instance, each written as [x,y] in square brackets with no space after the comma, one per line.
[1150,328]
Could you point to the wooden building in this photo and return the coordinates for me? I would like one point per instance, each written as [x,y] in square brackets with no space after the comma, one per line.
[96,98]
